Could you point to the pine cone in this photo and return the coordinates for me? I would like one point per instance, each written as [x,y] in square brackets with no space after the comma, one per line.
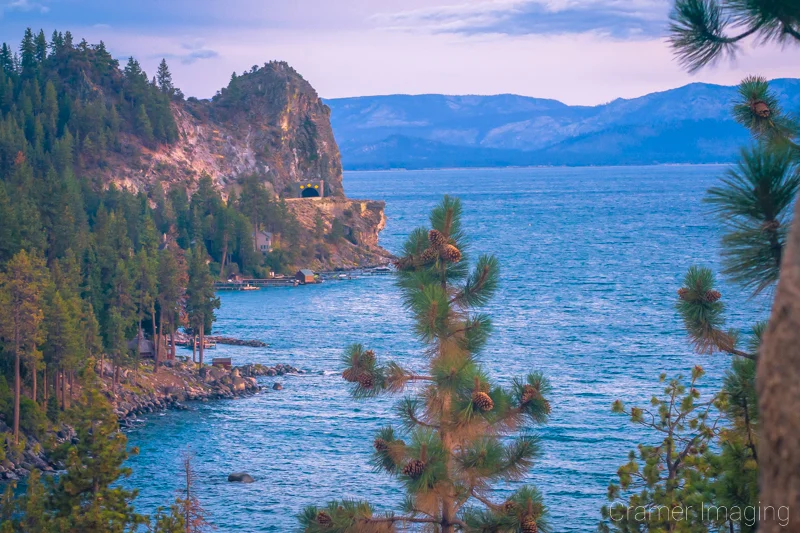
[712,296]
[366,381]
[482,401]
[380,445]
[350,375]
[683,293]
[404,263]
[437,239]
[368,358]
[529,525]
[529,393]
[451,254]
[414,468]
[547,407]
[428,256]
[324,519]
[760,108]
[509,507]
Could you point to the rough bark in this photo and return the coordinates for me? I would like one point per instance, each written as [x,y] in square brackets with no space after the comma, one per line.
[158,336]
[202,343]
[17,379]
[33,382]
[779,394]
[63,381]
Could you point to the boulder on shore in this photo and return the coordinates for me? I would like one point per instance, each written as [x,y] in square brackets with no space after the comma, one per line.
[240,477]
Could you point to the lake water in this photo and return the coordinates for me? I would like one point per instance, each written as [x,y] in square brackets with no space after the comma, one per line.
[591,261]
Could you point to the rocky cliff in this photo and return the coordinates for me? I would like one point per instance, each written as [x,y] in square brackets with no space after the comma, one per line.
[270,123]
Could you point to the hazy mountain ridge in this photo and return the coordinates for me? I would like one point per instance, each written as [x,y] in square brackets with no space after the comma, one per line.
[690,124]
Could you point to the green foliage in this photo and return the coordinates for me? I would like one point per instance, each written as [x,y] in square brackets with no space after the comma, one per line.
[201,300]
[701,308]
[346,516]
[754,203]
[86,497]
[758,109]
[460,434]
[699,28]
[662,481]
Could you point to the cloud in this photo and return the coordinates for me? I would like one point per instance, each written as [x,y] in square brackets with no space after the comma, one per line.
[192,52]
[617,18]
[23,5]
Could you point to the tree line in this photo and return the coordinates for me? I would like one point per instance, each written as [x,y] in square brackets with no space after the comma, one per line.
[87,267]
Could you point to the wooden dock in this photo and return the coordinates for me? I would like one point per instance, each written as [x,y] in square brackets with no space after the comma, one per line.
[254,284]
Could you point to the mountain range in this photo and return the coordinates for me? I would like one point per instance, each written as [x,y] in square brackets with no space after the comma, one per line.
[690,124]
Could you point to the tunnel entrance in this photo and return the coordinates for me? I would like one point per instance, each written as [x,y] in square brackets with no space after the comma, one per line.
[308,192]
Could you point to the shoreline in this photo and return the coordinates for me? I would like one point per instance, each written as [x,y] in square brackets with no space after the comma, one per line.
[175,384]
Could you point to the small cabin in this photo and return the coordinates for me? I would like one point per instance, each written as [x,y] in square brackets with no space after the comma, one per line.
[222,362]
[147,348]
[305,275]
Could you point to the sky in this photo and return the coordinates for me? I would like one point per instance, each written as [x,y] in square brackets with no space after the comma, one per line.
[583,52]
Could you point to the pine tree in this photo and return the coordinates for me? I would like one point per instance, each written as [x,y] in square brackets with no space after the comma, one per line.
[200,298]
[164,79]
[21,290]
[40,45]
[87,497]
[457,433]
[143,125]
[192,512]
[90,329]
[172,279]
[62,345]
[146,289]
[27,51]
[7,59]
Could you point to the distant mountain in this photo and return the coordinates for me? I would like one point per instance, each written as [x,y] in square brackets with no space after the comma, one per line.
[691,124]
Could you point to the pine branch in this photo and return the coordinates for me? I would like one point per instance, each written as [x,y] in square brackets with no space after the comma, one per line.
[697,33]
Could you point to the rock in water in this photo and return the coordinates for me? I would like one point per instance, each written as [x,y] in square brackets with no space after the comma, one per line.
[277,386]
[240,477]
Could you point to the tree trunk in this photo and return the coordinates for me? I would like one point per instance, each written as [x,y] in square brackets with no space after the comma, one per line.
[55,389]
[779,394]
[202,343]
[33,382]
[224,254]
[194,348]
[17,379]
[158,339]
[63,389]
[138,351]
[44,384]
[172,339]
[102,365]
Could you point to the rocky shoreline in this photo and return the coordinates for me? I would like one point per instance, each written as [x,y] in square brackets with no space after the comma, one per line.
[207,383]
[175,384]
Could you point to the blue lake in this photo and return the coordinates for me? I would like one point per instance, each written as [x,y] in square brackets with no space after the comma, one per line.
[591,261]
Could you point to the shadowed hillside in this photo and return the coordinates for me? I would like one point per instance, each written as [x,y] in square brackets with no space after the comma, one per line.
[690,124]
